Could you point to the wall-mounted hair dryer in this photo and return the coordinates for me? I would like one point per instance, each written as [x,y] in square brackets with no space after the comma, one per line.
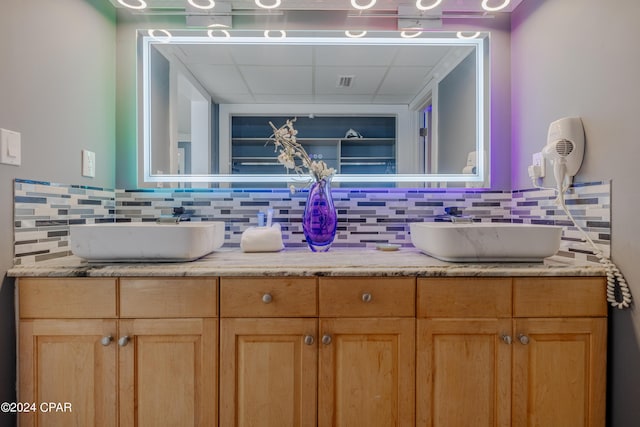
[565,150]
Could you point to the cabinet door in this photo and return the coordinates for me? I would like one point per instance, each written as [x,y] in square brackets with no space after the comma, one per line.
[559,372]
[168,372]
[463,372]
[268,372]
[66,361]
[367,372]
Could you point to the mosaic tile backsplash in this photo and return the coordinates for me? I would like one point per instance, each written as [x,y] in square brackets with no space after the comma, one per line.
[44,211]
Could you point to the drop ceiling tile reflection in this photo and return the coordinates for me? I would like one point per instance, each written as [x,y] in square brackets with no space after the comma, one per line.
[278,80]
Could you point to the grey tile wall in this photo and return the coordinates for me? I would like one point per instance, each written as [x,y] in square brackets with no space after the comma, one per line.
[590,205]
[43,212]
[365,217]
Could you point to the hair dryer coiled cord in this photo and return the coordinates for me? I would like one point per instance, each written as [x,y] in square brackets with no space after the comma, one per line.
[618,292]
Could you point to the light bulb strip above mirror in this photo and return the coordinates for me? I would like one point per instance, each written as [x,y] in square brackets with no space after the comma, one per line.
[252,7]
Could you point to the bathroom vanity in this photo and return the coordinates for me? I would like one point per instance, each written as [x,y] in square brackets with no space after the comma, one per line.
[344,338]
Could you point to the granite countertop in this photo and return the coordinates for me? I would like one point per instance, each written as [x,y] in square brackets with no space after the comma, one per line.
[302,262]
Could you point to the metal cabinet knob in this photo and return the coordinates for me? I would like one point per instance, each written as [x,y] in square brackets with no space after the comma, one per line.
[366,297]
[506,339]
[106,340]
[326,339]
[309,340]
[267,298]
[524,340]
[123,341]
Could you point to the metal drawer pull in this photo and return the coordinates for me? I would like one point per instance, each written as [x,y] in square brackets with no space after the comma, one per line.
[507,339]
[308,340]
[123,341]
[326,339]
[267,298]
[106,340]
[366,297]
[524,340]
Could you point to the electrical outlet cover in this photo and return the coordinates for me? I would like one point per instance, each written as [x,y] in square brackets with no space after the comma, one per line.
[538,160]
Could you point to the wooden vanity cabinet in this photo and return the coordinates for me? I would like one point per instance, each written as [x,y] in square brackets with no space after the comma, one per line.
[122,352]
[314,351]
[367,351]
[168,348]
[463,362]
[559,352]
[268,351]
[65,350]
[511,352]
[281,365]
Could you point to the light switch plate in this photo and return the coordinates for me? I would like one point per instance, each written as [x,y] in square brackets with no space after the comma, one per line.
[10,147]
[88,163]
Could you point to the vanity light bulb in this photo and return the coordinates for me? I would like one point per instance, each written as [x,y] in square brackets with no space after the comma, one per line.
[273,6]
[369,5]
[420,6]
[217,27]
[135,4]
[163,37]
[209,4]
[485,6]
[355,35]
[268,36]
[410,35]
[462,35]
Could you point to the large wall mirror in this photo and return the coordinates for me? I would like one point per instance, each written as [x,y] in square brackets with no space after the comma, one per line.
[381,107]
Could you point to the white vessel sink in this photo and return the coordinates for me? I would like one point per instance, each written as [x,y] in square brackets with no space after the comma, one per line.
[486,242]
[145,241]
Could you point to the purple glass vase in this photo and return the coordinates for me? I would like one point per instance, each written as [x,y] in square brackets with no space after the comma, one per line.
[320,220]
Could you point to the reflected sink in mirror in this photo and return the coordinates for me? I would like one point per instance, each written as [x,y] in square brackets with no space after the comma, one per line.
[486,242]
[146,241]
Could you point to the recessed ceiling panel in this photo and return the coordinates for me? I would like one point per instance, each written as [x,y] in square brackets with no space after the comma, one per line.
[272,55]
[344,99]
[205,54]
[223,80]
[418,56]
[403,80]
[355,55]
[278,80]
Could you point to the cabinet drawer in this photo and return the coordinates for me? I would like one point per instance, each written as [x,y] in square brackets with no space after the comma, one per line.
[268,297]
[70,298]
[166,298]
[464,297]
[559,297]
[367,296]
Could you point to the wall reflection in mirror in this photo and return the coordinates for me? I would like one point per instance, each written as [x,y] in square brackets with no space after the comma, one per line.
[379,109]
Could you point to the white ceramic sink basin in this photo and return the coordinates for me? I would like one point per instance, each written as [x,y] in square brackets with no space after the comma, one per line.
[145,241]
[486,242]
